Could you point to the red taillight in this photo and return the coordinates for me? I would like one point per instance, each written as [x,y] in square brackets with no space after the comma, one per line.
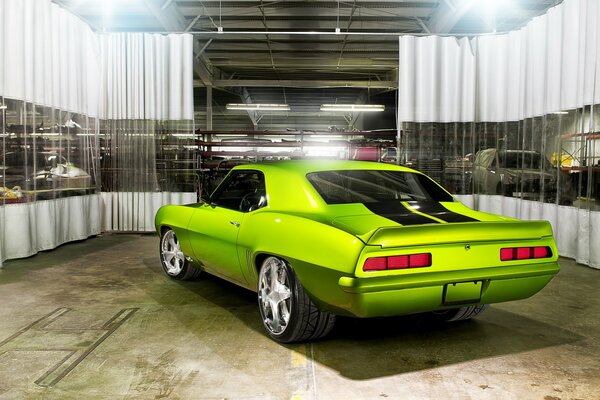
[506,254]
[420,260]
[375,264]
[542,252]
[525,253]
[397,262]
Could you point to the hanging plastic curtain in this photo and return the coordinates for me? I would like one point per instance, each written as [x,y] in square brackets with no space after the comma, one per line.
[49,176]
[146,135]
[509,122]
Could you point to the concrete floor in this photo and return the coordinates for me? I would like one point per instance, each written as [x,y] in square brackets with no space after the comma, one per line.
[98,319]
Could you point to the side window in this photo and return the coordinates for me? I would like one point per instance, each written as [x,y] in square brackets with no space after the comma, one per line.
[243,191]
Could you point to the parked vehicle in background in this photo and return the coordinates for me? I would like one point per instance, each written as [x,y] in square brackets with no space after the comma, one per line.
[518,173]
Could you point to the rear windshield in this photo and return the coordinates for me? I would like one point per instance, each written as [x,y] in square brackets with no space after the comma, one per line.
[372,186]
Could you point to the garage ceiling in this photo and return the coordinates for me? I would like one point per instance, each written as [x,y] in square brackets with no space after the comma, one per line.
[267,45]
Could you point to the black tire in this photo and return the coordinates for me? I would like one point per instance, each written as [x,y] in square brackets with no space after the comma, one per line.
[305,321]
[459,314]
[172,259]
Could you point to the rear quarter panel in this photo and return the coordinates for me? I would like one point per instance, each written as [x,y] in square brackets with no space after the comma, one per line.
[319,253]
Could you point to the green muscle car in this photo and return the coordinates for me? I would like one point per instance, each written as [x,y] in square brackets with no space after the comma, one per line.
[316,239]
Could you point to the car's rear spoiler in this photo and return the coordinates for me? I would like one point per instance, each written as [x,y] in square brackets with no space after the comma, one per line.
[459,232]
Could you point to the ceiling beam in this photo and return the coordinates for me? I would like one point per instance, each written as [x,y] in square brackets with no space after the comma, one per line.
[309,62]
[447,15]
[422,25]
[297,83]
[167,14]
[247,99]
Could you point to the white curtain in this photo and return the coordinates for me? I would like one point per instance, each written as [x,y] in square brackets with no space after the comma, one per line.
[436,80]
[147,76]
[548,66]
[49,56]
[510,88]
[43,225]
[135,211]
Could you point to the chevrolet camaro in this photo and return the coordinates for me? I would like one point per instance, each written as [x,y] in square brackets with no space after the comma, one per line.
[316,239]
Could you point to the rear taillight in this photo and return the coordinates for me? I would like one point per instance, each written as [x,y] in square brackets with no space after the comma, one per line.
[375,264]
[397,262]
[525,253]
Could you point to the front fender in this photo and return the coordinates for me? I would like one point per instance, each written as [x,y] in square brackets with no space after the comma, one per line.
[178,219]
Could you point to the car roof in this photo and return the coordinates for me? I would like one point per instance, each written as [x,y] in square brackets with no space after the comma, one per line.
[303,167]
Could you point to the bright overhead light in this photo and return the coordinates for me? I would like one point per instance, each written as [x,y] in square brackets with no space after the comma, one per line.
[353,107]
[3,107]
[561,112]
[258,107]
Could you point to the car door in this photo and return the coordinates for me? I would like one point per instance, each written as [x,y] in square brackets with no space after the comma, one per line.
[214,226]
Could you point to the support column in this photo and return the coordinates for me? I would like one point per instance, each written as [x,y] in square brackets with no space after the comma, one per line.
[209,122]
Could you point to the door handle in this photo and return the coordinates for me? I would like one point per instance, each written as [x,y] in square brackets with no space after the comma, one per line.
[235,223]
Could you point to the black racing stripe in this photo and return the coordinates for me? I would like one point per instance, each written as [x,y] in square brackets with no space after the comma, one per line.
[397,212]
[437,210]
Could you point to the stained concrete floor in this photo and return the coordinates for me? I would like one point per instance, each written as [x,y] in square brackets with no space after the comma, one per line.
[98,319]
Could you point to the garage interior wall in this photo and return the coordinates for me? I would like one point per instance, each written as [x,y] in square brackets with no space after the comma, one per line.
[70,100]
[510,122]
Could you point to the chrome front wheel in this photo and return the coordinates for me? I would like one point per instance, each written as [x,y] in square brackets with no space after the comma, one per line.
[173,260]
[172,257]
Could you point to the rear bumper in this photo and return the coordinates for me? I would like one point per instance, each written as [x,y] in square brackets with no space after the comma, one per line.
[408,294]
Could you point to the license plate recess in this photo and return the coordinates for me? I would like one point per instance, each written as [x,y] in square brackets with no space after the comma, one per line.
[462,292]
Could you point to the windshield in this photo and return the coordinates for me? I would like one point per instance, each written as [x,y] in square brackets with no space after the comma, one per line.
[517,160]
[372,186]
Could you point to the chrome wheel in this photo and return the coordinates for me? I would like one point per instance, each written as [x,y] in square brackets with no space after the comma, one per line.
[274,295]
[172,257]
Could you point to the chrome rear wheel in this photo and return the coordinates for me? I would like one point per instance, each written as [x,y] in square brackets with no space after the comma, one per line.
[274,295]
[287,312]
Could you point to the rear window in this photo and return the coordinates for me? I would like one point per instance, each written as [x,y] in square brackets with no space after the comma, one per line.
[372,186]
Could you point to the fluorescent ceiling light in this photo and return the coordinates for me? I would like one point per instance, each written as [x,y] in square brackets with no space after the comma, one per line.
[3,107]
[258,107]
[561,112]
[353,107]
